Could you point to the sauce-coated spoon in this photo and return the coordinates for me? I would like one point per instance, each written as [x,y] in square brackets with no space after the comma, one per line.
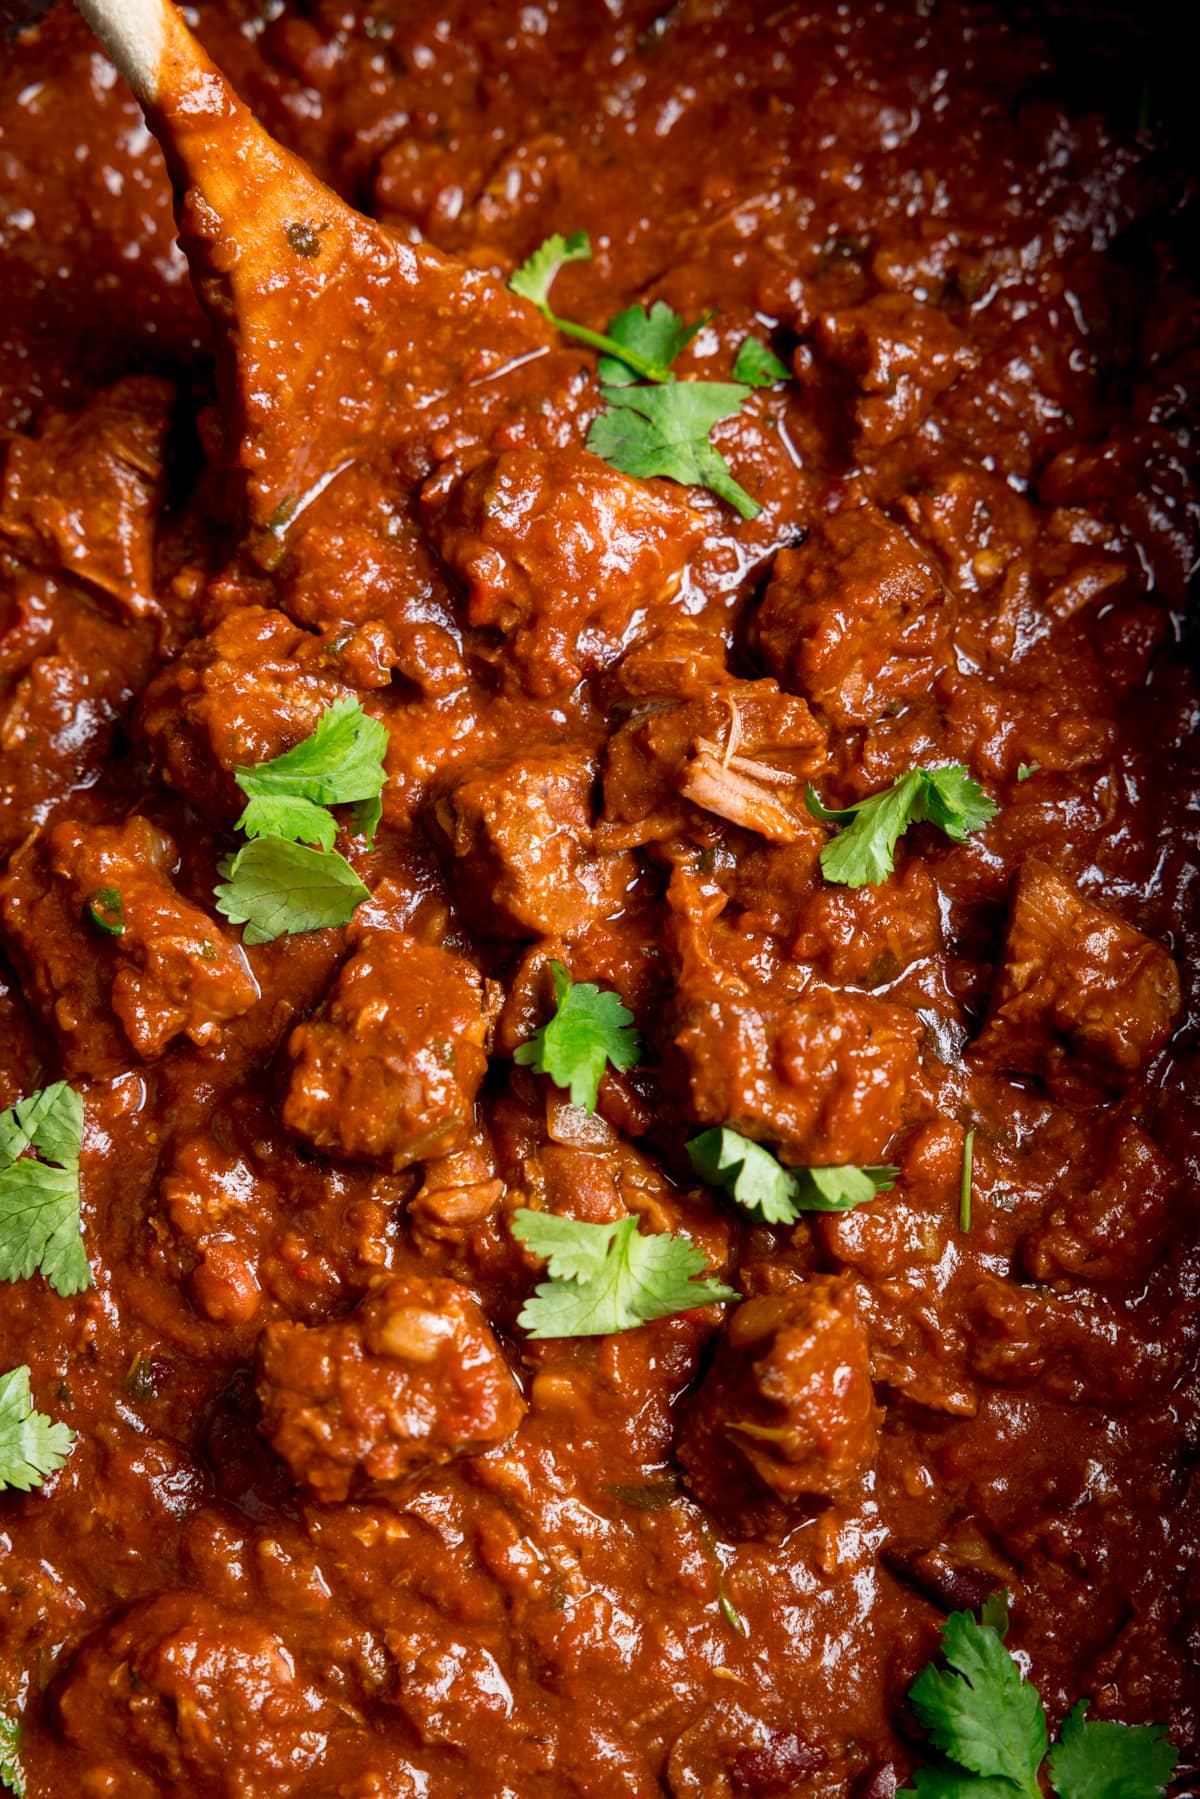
[327,325]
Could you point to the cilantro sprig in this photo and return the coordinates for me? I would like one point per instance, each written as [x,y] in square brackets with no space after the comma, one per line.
[40,1227]
[989,1724]
[590,1029]
[32,1446]
[533,281]
[758,366]
[12,1775]
[338,764]
[277,889]
[662,429]
[656,336]
[864,853]
[762,1188]
[276,885]
[606,1278]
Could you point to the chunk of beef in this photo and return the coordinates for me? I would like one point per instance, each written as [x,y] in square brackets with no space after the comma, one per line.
[901,355]
[855,619]
[198,1698]
[22,1042]
[449,1689]
[729,1750]
[68,670]
[519,843]
[389,1069]
[788,1402]
[1074,981]
[116,957]
[411,1380]
[1081,1349]
[866,936]
[1112,1227]
[826,1075]
[109,460]
[560,553]
[250,690]
[739,752]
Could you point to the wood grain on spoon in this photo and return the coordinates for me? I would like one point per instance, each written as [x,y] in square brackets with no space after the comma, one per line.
[328,326]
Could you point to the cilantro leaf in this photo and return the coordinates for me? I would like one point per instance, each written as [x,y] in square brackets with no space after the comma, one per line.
[535,277]
[277,888]
[983,1715]
[340,763]
[658,335]
[11,1774]
[994,1612]
[32,1446]
[106,911]
[764,1189]
[758,366]
[657,430]
[608,1277]
[863,853]
[533,281]
[664,431]
[956,1783]
[1095,1758]
[589,1029]
[980,1711]
[40,1228]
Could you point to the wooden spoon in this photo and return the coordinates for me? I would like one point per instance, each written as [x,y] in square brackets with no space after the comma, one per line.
[330,329]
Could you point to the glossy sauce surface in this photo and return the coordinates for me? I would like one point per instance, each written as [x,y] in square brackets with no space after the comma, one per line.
[333,1525]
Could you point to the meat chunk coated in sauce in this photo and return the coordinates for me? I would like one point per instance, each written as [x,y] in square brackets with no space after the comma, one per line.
[118,959]
[1075,980]
[335,1524]
[856,619]
[412,1380]
[390,1069]
[788,1397]
[828,1076]
[251,689]
[82,499]
[517,835]
[195,1697]
[560,553]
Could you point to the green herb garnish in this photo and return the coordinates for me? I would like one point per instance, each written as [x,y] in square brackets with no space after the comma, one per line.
[731,1614]
[863,853]
[12,1774]
[657,337]
[1025,769]
[589,1030]
[106,911]
[40,1228]
[277,888]
[988,1722]
[964,1181]
[765,1190]
[339,764]
[664,431]
[32,1446]
[608,1277]
[658,430]
[533,281]
[758,366]
[276,885]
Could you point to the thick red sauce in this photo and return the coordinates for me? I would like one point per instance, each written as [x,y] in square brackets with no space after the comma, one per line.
[570,1579]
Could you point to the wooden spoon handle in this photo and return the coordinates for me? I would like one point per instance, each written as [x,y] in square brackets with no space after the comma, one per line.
[135,33]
